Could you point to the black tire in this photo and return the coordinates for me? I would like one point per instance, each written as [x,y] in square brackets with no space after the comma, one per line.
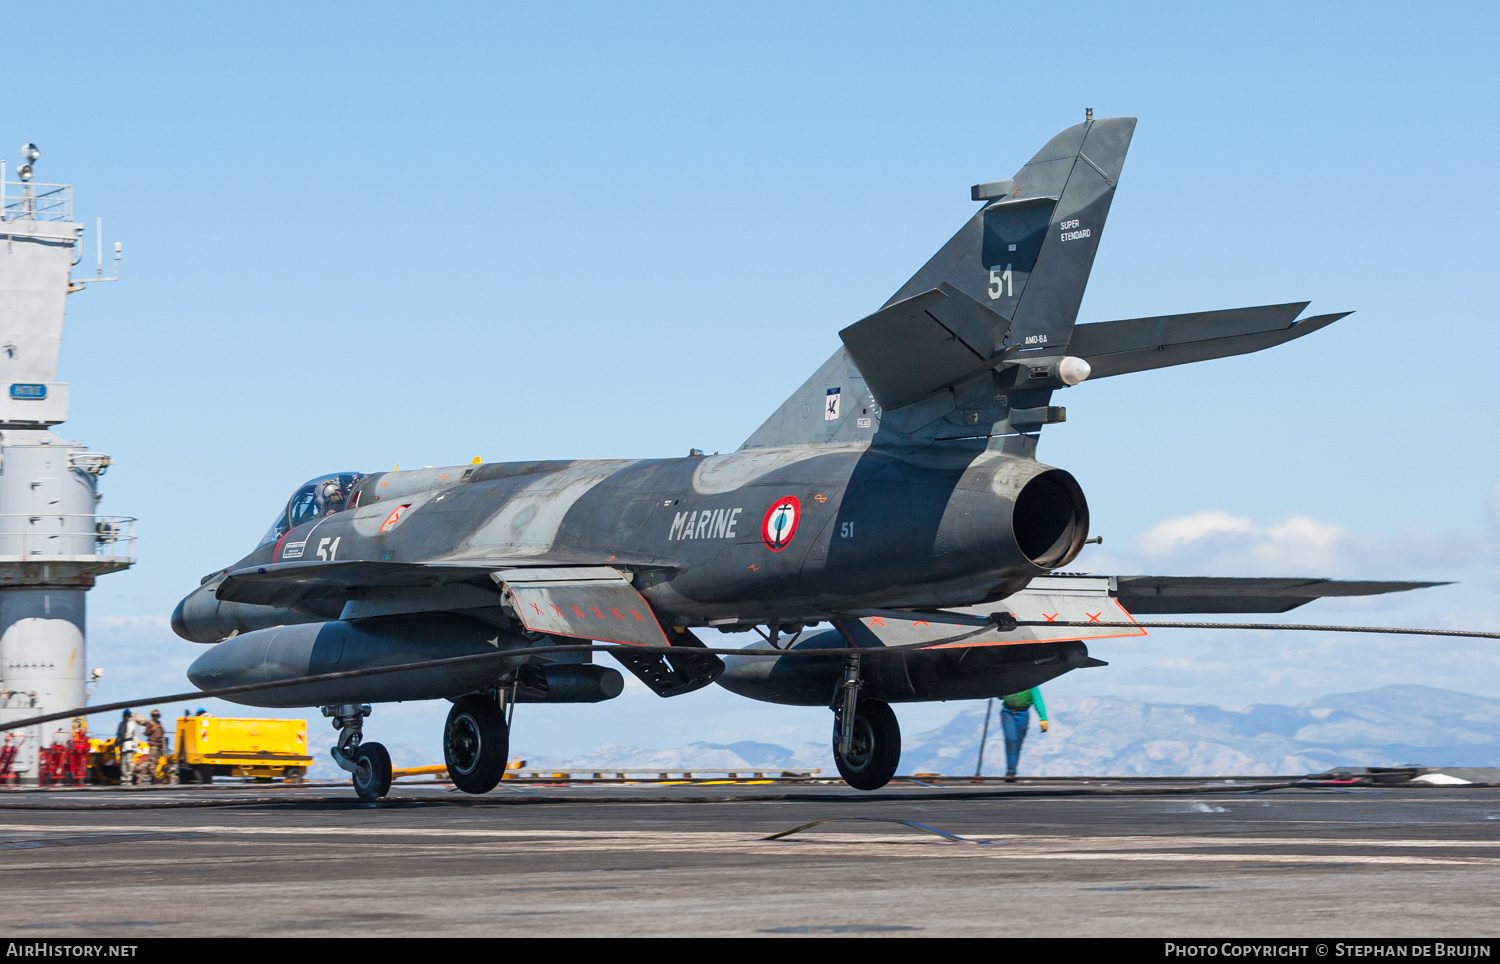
[876,749]
[476,744]
[373,778]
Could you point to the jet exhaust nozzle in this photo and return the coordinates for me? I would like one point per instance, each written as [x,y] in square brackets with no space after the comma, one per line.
[1051,519]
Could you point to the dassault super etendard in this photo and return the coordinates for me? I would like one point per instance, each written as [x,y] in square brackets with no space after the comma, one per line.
[896,493]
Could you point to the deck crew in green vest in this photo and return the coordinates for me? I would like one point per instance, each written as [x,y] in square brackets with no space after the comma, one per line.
[1015,716]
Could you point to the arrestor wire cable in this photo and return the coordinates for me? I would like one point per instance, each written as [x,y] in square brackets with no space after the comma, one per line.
[506,654]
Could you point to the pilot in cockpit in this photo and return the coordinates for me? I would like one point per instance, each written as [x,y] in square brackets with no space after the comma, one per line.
[329,497]
[319,497]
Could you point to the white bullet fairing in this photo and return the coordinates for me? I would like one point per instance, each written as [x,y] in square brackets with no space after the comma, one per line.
[1072,370]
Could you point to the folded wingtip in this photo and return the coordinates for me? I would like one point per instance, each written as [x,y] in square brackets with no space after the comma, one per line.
[1320,321]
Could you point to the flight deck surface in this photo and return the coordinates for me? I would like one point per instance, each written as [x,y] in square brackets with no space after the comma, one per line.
[1105,858]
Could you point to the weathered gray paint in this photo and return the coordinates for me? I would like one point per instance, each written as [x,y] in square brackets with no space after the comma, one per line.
[916,484]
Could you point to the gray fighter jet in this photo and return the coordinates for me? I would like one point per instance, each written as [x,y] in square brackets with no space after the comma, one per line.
[895,496]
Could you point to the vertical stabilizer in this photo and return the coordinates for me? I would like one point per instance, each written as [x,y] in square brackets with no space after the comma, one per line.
[1027,255]
[1005,288]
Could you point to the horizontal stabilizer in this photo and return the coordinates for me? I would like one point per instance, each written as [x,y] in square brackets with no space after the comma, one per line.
[1156,595]
[923,344]
[1140,344]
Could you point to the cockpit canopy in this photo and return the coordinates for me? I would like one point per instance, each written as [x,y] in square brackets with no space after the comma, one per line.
[322,496]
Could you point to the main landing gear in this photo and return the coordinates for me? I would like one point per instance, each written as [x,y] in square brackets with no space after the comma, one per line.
[368,763]
[866,736]
[476,742]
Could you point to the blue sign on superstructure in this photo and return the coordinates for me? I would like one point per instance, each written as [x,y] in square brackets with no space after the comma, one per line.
[28,391]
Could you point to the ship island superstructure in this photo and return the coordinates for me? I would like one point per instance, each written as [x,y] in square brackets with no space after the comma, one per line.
[53,543]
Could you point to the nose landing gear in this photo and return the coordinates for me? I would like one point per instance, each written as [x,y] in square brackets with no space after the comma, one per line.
[368,763]
[476,743]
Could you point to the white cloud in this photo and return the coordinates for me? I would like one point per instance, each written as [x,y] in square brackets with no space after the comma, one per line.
[1235,545]
[1214,542]
[1314,545]
[1173,534]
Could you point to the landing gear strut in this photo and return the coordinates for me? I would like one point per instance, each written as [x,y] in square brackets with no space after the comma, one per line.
[476,743]
[866,736]
[368,763]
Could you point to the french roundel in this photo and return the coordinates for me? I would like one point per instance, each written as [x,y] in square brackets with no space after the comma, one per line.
[780,523]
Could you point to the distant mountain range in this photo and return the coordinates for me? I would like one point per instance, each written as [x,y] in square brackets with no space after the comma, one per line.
[1098,735]
[1093,735]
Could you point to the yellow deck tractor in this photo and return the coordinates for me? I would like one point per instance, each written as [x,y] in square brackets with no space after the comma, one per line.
[210,746]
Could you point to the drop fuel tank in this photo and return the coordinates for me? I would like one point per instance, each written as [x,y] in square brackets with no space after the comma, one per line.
[288,652]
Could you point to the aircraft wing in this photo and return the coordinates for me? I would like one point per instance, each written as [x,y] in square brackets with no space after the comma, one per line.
[1101,599]
[290,584]
[286,584]
[1155,595]
[588,602]
[1140,344]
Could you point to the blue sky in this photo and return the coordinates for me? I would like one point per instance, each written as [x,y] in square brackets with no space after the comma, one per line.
[355,237]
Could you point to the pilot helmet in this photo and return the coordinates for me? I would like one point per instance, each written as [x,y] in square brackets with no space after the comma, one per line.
[331,491]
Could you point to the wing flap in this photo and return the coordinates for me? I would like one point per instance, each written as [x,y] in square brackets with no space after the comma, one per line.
[1074,600]
[586,603]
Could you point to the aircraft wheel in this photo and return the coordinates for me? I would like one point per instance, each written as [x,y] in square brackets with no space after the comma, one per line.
[875,750]
[476,743]
[373,779]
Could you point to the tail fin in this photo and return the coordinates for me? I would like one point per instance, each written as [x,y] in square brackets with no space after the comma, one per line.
[1010,281]
[1027,254]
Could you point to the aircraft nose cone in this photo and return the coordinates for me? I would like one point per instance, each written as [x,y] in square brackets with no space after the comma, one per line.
[196,617]
[179,624]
